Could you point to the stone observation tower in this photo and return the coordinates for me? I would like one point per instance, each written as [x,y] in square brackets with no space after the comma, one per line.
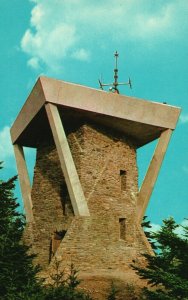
[84,205]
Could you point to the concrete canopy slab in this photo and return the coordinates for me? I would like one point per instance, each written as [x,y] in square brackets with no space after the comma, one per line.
[30,109]
[141,120]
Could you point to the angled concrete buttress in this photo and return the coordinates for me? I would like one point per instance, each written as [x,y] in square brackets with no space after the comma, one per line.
[68,167]
[24,181]
[152,173]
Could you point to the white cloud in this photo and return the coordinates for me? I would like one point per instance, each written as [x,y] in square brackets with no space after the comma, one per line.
[6,148]
[49,47]
[62,28]
[179,230]
[184,118]
[34,63]
[155,227]
[81,54]
[7,152]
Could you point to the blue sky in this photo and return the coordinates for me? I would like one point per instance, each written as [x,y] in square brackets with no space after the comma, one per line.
[74,40]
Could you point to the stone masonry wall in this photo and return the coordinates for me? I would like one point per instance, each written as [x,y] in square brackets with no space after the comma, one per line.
[107,240]
[52,208]
[95,242]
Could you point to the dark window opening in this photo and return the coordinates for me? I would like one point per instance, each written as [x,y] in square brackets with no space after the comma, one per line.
[122,228]
[65,200]
[64,195]
[56,239]
[123,178]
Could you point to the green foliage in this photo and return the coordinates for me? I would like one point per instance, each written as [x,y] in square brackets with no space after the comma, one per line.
[146,225]
[131,292]
[72,279]
[64,293]
[64,287]
[167,271]
[17,274]
[113,292]
[57,276]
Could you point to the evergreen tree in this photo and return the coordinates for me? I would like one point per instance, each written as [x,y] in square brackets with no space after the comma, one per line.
[17,274]
[113,292]
[64,287]
[146,225]
[167,270]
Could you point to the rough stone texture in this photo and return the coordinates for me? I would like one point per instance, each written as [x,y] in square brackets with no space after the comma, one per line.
[52,208]
[109,239]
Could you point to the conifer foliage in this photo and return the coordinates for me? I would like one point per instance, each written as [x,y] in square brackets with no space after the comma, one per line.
[64,287]
[167,270]
[17,274]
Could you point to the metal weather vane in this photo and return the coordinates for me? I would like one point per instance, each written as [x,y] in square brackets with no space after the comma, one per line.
[114,86]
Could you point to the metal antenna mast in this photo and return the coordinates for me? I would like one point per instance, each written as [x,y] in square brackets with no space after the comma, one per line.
[114,86]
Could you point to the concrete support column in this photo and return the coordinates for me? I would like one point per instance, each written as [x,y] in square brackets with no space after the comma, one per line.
[152,173]
[24,181]
[74,187]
